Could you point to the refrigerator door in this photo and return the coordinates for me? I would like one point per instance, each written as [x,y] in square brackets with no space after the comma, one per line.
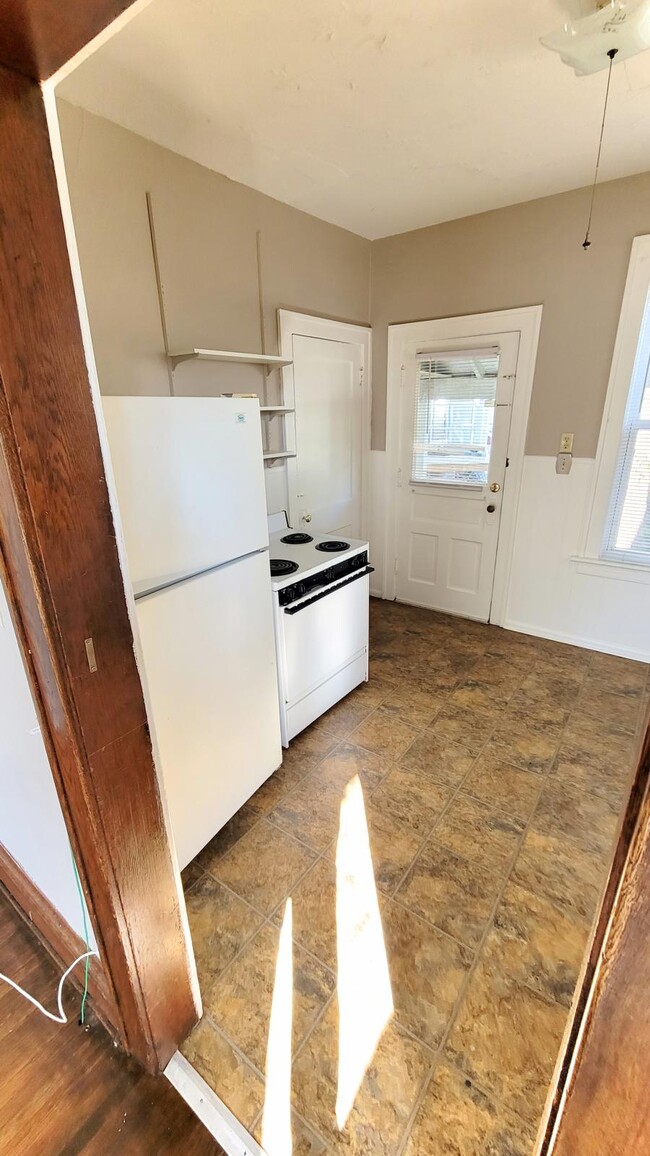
[190,483]
[209,658]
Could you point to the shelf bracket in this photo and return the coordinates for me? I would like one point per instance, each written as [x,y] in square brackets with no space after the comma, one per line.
[161,292]
[176,358]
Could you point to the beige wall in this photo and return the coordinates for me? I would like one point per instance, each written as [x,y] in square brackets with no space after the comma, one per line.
[206,227]
[523,255]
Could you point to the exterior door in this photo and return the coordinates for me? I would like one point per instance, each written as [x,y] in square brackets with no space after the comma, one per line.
[455,411]
[327,384]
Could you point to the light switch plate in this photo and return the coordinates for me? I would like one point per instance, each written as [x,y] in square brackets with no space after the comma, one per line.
[563,463]
[566,443]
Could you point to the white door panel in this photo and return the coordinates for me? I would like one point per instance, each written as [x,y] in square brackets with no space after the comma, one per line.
[209,658]
[329,438]
[454,428]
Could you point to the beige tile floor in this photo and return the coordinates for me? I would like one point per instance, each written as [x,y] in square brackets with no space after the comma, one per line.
[489,770]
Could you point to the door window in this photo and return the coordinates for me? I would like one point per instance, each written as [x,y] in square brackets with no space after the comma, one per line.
[455,402]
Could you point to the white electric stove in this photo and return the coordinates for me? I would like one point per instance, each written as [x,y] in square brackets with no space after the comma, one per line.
[320,608]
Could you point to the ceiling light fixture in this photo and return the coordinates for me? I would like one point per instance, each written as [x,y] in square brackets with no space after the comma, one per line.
[616,31]
[585,44]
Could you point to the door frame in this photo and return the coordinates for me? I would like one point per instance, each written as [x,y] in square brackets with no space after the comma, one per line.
[292,324]
[604,1049]
[527,322]
[61,564]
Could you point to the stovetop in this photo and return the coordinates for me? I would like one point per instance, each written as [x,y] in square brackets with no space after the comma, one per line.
[309,556]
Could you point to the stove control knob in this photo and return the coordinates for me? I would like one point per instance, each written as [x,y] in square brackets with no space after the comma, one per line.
[300,589]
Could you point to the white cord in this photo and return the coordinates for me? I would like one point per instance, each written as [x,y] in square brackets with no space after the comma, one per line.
[62,1017]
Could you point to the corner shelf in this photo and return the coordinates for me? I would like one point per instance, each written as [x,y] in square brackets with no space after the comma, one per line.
[270,457]
[273,410]
[226,355]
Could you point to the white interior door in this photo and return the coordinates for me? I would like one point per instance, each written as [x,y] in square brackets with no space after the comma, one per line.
[454,422]
[325,480]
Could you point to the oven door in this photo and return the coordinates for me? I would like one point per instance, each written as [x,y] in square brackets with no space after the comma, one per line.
[324,634]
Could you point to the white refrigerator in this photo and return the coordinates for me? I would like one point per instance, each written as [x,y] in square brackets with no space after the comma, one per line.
[190,488]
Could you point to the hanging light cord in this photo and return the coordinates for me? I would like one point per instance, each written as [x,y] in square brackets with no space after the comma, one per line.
[587,241]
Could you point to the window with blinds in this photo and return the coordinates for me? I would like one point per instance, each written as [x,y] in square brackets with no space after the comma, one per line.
[455,399]
[627,528]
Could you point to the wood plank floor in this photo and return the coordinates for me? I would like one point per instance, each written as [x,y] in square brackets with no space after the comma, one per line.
[66,1090]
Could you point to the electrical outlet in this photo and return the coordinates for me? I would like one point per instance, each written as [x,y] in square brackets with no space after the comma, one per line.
[566,443]
[563,463]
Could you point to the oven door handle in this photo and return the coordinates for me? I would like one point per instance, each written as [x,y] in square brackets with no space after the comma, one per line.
[329,590]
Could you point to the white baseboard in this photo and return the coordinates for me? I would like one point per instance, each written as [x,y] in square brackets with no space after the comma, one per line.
[576,640]
[211,1111]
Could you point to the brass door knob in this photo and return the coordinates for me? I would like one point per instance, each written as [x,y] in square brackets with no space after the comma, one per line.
[495,487]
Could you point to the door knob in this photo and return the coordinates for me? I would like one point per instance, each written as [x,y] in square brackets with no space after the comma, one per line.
[490,509]
[306,517]
[495,487]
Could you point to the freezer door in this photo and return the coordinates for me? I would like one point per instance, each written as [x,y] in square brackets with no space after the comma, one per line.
[190,483]
[210,671]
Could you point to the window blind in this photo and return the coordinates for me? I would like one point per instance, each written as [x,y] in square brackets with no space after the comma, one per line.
[627,527]
[455,396]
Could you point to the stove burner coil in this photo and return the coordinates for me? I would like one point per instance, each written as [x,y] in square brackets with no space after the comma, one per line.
[297,539]
[282,566]
[332,546]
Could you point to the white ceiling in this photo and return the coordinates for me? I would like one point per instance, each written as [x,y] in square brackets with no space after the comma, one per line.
[378,115]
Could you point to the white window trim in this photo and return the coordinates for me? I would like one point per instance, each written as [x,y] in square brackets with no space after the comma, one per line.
[625,347]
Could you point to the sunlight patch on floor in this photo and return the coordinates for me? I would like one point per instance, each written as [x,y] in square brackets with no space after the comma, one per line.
[363,981]
[276,1118]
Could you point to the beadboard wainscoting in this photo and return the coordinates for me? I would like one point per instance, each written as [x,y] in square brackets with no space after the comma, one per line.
[555,594]
[376,528]
[553,591]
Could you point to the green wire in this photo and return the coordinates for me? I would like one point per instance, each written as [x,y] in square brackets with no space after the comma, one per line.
[82,1010]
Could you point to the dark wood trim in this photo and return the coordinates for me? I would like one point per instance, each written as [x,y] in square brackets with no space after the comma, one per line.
[56,936]
[600,1100]
[64,585]
[37,37]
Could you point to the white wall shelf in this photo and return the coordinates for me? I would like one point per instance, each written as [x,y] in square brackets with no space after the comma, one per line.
[273,410]
[269,359]
[277,454]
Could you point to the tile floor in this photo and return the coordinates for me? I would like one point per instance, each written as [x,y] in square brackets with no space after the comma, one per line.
[492,770]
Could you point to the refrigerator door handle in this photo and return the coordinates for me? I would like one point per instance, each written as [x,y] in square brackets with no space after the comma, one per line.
[330,590]
[167,584]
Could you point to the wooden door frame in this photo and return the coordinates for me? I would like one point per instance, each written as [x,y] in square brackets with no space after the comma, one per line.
[60,561]
[527,322]
[598,1100]
[61,568]
[292,324]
